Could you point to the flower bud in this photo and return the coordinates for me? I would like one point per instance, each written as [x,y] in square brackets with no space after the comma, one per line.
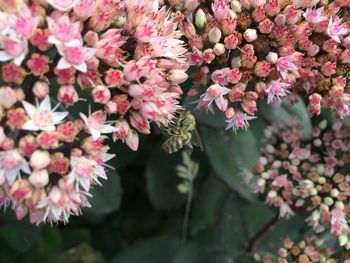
[39,178]
[91,38]
[200,19]
[101,94]
[343,239]
[313,191]
[328,201]
[132,140]
[111,107]
[321,180]
[41,89]
[236,6]
[339,205]
[8,97]
[214,35]
[39,159]
[219,49]
[250,35]
[177,76]
[272,57]
[67,95]
[334,192]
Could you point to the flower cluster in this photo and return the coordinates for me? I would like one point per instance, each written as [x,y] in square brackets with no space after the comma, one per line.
[311,249]
[310,175]
[126,56]
[266,49]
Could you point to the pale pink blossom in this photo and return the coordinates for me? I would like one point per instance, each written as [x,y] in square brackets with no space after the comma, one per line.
[24,22]
[41,116]
[11,164]
[97,125]
[8,97]
[276,89]
[13,48]
[314,16]
[84,172]
[285,65]
[239,121]
[63,31]
[338,222]
[336,29]
[75,56]
[285,211]
[216,93]
[85,8]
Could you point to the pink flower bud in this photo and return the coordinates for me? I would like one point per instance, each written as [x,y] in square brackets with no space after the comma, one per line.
[20,94]
[132,140]
[208,55]
[214,35]
[2,135]
[39,178]
[85,8]
[101,94]
[250,35]
[8,144]
[41,89]
[188,30]
[21,190]
[231,42]
[219,49]
[111,107]
[140,123]
[177,76]
[21,211]
[123,130]
[272,57]
[39,160]
[229,113]
[280,19]
[8,97]
[67,95]
[91,38]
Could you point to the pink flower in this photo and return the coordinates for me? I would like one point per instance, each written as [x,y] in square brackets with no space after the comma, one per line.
[97,125]
[85,8]
[286,211]
[84,172]
[284,65]
[338,222]
[13,48]
[275,90]
[62,5]
[314,16]
[335,29]
[220,9]
[216,93]
[42,117]
[239,121]
[24,23]
[63,31]
[75,57]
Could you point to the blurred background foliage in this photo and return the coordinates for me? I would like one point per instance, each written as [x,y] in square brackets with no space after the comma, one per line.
[138,214]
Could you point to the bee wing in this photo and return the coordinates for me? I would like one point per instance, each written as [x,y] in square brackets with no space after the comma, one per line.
[197,141]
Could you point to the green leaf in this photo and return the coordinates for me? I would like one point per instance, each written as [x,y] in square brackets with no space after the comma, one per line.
[72,237]
[162,181]
[286,113]
[106,198]
[205,247]
[51,240]
[207,204]
[155,250]
[19,235]
[229,153]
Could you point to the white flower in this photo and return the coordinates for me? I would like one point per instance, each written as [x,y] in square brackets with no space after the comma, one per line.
[42,117]
[97,125]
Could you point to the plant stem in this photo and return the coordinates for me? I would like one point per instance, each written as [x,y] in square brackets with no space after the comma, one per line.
[261,232]
[187,213]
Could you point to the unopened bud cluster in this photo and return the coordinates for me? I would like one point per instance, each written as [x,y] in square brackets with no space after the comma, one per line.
[308,174]
[310,249]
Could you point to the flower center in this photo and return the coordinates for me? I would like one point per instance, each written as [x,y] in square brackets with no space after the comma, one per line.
[43,118]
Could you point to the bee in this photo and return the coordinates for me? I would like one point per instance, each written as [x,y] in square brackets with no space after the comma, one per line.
[180,133]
